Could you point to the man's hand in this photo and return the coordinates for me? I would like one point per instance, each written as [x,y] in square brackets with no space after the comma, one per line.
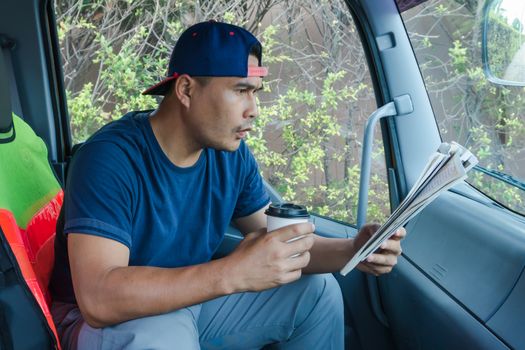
[266,260]
[385,258]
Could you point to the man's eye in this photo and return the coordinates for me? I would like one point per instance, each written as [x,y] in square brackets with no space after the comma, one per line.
[244,91]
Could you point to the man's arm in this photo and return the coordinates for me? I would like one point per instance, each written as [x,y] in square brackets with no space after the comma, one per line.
[331,254]
[108,291]
[253,222]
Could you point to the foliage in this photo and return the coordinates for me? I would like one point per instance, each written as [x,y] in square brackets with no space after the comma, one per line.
[123,76]
[306,122]
[499,31]
[487,118]
[313,109]
[113,49]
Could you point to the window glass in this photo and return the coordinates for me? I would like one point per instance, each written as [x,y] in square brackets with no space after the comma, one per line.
[307,139]
[487,118]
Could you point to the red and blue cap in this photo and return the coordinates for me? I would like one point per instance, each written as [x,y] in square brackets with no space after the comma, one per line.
[212,49]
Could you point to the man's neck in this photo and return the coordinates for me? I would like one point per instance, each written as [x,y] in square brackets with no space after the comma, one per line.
[172,137]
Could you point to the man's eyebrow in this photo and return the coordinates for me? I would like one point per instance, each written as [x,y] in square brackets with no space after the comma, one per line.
[245,85]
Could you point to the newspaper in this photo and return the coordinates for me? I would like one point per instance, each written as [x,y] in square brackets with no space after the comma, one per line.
[446,167]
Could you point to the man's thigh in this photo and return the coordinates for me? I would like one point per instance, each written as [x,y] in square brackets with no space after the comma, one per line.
[174,330]
[307,313]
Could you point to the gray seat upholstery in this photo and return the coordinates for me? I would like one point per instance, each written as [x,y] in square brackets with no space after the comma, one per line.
[6,119]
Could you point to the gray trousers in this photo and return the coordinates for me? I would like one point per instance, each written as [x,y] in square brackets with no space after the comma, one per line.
[306,314]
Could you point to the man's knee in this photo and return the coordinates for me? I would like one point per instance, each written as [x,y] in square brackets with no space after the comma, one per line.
[319,297]
[327,289]
[319,319]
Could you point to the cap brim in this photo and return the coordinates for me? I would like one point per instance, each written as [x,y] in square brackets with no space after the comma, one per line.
[161,88]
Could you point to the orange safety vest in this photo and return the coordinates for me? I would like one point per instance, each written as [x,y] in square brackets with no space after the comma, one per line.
[33,249]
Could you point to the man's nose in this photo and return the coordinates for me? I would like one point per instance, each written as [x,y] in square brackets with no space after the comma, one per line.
[252,111]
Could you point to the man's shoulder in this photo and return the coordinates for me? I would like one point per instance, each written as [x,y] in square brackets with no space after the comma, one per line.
[118,144]
[124,133]
[131,124]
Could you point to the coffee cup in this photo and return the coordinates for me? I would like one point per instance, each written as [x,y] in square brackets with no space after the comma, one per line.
[283,214]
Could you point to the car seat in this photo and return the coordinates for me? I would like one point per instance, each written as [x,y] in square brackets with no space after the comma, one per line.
[30,202]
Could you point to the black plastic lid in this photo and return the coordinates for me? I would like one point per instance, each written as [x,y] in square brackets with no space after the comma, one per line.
[287,210]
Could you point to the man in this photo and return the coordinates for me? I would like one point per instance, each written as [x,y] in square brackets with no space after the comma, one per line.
[148,199]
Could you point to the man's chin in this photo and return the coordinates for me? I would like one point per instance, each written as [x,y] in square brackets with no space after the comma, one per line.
[234,147]
[230,147]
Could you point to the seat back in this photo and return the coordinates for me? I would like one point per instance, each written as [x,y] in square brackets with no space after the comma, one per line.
[30,201]
[5,94]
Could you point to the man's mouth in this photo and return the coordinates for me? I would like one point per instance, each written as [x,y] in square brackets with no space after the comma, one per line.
[241,133]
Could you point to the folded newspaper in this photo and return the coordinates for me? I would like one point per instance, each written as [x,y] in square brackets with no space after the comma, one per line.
[446,167]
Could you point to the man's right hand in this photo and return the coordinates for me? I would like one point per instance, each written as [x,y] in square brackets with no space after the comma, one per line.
[266,260]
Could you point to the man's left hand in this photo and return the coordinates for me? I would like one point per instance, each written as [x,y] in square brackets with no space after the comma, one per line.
[385,258]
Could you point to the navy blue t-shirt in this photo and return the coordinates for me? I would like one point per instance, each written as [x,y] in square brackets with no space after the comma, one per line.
[123,187]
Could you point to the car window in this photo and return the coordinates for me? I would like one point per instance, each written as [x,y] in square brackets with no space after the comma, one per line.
[307,139]
[487,118]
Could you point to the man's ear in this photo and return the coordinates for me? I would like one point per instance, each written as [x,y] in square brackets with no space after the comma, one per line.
[183,89]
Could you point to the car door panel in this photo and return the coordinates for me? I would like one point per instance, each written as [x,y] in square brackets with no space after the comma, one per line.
[471,250]
[424,316]
[462,262]
[507,322]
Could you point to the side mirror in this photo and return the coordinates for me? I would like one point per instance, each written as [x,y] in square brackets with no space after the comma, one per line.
[503,42]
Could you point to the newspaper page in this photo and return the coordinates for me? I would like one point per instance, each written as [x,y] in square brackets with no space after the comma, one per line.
[445,168]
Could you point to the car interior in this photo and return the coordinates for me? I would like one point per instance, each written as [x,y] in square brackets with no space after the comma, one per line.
[459,283]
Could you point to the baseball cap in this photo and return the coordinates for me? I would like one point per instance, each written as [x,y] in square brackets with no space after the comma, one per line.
[212,49]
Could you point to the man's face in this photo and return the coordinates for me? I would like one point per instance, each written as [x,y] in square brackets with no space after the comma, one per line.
[223,110]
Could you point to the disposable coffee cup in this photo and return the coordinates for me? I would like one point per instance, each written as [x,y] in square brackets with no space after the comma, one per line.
[284,214]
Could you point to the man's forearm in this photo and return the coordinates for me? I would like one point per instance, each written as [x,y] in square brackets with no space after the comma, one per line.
[130,292]
[329,254]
